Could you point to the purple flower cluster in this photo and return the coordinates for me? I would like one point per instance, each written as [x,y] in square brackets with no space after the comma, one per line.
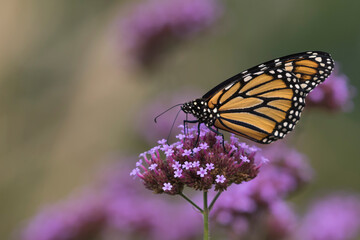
[334,94]
[114,209]
[280,220]
[288,172]
[264,196]
[168,168]
[333,218]
[157,23]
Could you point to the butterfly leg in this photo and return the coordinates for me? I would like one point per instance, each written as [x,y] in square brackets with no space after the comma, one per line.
[186,119]
[198,135]
[222,135]
[186,122]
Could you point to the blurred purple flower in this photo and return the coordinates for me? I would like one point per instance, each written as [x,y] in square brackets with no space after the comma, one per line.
[155,24]
[286,171]
[334,94]
[141,216]
[145,125]
[79,217]
[281,220]
[333,218]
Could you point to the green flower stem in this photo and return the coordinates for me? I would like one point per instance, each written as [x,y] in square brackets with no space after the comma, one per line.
[214,200]
[191,202]
[205,211]
[206,217]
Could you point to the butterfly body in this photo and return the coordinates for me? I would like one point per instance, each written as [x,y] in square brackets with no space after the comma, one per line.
[265,102]
[200,109]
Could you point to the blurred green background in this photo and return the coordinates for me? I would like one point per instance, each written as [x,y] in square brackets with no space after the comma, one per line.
[67,96]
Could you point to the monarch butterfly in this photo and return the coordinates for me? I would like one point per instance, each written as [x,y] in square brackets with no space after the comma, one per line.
[263,103]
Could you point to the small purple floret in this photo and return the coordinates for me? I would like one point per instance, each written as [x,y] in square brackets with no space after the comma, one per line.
[180,136]
[179,146]
[165,147]
[204,146]
[142,154]
[264,160]
[167,187]
[187,152]
[219,138]
[220,179]
[187,165]
[134,172]
[153,166]
[178,173]
[243,146]
[210,166]
[169,152]
[176,165]
[138,163]
[244,159]
[162,142]
[196,164]
[196,150]
[202,172]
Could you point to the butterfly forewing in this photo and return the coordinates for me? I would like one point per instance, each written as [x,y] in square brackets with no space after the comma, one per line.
[263,108]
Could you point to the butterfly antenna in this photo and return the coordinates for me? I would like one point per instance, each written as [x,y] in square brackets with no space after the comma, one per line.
[155,119]
[172,126]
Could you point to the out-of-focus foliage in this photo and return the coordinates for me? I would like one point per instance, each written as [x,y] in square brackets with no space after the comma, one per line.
[68,95]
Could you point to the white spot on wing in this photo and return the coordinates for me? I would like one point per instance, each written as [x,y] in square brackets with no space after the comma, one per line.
[247,78]
[229,86]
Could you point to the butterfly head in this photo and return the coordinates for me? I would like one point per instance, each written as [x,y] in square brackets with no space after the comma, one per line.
[200,109]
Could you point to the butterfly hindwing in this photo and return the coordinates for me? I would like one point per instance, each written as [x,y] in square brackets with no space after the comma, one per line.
[311,68]
[262,107]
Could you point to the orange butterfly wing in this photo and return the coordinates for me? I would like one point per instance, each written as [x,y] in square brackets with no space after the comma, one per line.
[262,108]
[265,102]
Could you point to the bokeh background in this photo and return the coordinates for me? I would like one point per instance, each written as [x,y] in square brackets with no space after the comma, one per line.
[73,99]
